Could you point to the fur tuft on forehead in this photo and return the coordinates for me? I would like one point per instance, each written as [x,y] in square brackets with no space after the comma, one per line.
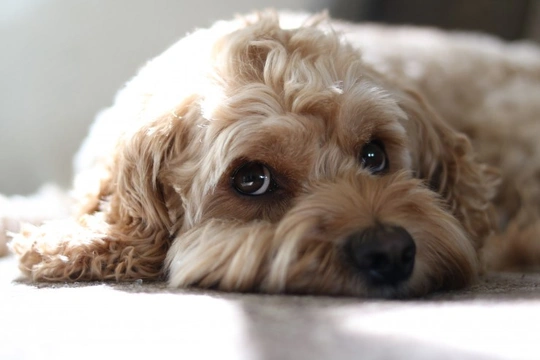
[298,70]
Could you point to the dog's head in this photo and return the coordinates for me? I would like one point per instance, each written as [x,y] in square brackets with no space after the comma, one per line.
[288,165]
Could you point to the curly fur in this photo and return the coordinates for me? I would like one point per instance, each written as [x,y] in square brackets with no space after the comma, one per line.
[154,190]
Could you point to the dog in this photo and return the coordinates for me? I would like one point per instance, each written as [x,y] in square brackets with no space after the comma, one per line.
[298,154]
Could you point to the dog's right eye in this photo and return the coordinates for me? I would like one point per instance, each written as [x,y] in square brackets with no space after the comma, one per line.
[253,178]
[374,158]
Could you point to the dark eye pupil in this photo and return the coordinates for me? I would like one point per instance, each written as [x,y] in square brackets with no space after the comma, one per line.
[252,179]
[374,158]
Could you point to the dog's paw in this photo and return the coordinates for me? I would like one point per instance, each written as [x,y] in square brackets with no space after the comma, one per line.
[56,250]
[83,249]
[49,202]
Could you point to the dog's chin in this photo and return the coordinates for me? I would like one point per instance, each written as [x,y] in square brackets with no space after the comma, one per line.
[305,252]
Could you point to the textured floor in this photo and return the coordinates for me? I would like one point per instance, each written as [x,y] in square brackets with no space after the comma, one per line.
[499,318]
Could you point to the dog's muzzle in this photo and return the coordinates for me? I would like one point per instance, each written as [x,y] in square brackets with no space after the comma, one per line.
[383,254]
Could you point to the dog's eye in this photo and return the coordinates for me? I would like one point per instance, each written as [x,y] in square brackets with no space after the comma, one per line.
[252,178]
[374,157]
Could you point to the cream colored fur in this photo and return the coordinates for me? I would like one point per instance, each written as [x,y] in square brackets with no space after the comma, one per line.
[47,203]
[458,115]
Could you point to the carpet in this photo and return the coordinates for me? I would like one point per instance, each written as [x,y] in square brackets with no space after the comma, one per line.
[497,318]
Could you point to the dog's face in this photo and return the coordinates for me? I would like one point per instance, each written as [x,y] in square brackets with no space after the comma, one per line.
[297,168]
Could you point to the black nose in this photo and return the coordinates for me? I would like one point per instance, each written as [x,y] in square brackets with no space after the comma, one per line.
[384,254]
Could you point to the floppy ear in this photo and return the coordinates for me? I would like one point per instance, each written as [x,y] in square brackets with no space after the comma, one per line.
[141,199]
[129,235]
[446,160]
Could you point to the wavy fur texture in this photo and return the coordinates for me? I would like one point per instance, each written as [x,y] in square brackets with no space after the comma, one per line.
[303,95]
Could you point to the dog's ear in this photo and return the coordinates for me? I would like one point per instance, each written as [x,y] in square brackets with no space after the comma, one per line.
[141,197]
[445,159]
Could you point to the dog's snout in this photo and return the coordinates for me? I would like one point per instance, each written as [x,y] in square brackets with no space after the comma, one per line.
[384,254]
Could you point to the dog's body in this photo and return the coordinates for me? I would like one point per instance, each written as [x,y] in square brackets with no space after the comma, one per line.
[252,158]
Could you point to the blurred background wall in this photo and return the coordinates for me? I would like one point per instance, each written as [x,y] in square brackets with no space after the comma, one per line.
[61,61]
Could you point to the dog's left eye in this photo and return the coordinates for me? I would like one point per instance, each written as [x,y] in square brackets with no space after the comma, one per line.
[252,178]
[373,157]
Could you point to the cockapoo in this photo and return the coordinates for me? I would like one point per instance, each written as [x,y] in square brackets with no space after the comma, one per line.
[293,154]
